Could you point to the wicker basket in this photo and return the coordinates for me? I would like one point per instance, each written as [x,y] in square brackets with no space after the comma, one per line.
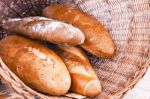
[128,21]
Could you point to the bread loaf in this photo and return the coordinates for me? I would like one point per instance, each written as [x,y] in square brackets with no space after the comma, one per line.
[36,65]
[97,39]
[83,78]
[49,30]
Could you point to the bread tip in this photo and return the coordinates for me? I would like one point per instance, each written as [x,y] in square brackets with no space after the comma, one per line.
[93,88]
[46,12]
[107,48]
[110,52]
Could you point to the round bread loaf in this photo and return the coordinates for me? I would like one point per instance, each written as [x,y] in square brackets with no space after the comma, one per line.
[36,65]
[84,80]
[97,39]
[46,29]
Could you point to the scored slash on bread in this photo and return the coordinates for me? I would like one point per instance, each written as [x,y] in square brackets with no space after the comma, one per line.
[97,39]
[83,78]
[46,29]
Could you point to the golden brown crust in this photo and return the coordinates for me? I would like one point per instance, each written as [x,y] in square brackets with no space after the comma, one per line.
[83,78]
[36,65]
[97,39]
[45,29]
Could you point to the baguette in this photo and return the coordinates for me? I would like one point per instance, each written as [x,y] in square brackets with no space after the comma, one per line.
[42,28]
[97,39]
[83,78]
[36,65]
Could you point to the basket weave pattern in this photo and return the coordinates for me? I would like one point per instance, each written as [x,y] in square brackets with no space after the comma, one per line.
[128,21]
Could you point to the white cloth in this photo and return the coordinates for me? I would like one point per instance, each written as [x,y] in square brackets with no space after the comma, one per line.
[141,90]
